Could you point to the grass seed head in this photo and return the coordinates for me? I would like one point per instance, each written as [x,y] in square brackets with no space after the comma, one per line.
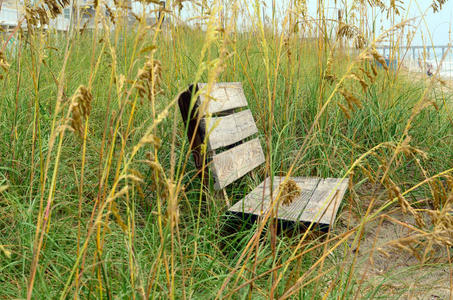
[370,76]
[40,14]
[347,31]
[377,56]
[344,110]
[351,99]
[437,5]
[149,78]
[405,205]
[109,12]
[117,215]
[439,234]
[328,74]
[362,82]
[3,62]
[360,41]
[374,70]
[289,191]
[159,182]
[80,108]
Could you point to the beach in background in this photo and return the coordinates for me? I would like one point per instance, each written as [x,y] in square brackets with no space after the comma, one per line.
[426,60]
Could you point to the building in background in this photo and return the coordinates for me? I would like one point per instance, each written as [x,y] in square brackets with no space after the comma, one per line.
[80,14]
[12,11]
[9,14]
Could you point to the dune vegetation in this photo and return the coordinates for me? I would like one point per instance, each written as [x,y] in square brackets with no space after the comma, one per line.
[99,194]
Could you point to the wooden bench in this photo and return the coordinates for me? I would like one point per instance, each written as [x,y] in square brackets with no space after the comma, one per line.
[220,120]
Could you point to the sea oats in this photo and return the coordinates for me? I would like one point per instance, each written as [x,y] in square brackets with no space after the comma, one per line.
[344,110]
[328,74]
[350,98]
[80,108]
[371,77]
[289,191]
[109,12]
[347,31]
[149,78]
[362,82]
[159,182]
[377,56]
[3,62]
[437,5]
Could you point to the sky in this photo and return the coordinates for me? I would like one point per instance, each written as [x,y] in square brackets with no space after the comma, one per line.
[438,24]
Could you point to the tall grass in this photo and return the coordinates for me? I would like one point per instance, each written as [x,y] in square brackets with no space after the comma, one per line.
[99,195]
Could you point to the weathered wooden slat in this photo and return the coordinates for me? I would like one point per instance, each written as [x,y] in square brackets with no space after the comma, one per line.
[324,203]
[259,201]
[319,200]
[222,97]
[225,131]
[236,162]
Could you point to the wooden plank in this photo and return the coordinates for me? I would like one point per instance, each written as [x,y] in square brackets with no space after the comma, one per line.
[326,199]
[258,201]
[236,162]
[222,97]
[225,131]
[319,200]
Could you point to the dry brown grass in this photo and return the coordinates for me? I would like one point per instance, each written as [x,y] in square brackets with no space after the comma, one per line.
[289,191]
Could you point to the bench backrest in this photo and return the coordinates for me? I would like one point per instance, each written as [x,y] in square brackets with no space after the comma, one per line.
[227,127]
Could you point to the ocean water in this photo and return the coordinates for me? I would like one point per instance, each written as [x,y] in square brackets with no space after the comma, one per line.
[424,61]
[443,68]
